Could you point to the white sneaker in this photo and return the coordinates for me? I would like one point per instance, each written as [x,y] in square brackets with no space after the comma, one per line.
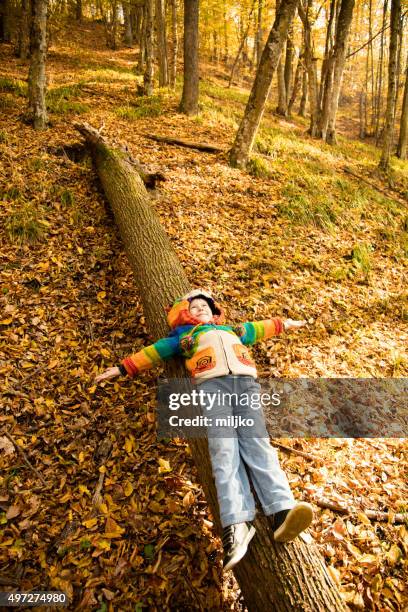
[235,540]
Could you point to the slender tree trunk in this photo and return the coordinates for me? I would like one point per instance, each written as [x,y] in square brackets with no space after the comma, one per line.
[259,33]
[392,87]
[244,37]
[282,102]
[303,100]
[78,10]
[23,48]
[278,577]
[328,47]
[403,135]
[141,33]
[189,100]
[161,43]
[311,66]
[37,111]
[362,114]
[339,53]
[260,90]
[370,34]
[148,79]
[297,84]
[378,97]
[289,65]
[281,108]
[128,36]
[5,21]
[226,42]
[174,48]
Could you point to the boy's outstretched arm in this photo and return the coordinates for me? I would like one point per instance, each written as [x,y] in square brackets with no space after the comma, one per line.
[163,349]
[256,331]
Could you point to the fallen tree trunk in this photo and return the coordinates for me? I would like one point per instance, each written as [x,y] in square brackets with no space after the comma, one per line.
[200,146]
[271,576]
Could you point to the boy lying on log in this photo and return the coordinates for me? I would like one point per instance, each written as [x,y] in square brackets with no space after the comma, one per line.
[220,364]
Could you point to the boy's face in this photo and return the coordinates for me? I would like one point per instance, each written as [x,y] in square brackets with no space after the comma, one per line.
[201,310]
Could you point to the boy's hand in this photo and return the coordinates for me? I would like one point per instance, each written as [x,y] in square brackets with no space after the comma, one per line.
[109,373]
[291,324]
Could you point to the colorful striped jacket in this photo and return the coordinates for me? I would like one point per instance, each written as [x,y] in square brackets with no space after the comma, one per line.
[209,349]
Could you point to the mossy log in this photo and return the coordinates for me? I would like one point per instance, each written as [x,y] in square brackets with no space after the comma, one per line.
[279,577]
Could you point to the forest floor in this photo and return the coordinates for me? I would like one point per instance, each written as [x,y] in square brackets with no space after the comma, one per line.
[298,236]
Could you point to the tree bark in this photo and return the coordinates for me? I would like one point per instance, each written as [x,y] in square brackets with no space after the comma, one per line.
[241,45]
[5,20]
[37,111]
[303,99]
[289,66]
[260,90]
[174,48]
[311,66]
[392,87]
[23,49]
[128,36]
[149,68]
[226,42]
[279,577]
[161,43]
[379,84]
[78,10]
[190,144]
[189,99]
[403,135]
[297,83]
[259,33]
[281,108]
[339,59]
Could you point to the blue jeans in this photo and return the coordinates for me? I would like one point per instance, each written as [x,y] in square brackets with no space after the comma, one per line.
[237,451]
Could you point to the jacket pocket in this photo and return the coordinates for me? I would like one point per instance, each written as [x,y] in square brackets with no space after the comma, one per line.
[243,355]
[201,362]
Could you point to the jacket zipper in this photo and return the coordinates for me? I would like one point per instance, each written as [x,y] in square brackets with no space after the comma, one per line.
[224,351]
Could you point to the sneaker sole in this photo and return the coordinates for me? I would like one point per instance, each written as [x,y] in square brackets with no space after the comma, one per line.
[298,519]
[241,552]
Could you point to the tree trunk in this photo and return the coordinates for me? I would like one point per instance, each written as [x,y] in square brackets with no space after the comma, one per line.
[281,108]
[259,34]
[174,48]
[303,100]
[338,59]
[378,96]
[297,83]
[189,99]
[311,67]
[78,10]
[241,46]
[37,111]
[362,106]
[289,66]
[260,90]
[141,34]
[392,86]
[128,36]
[339,53]
[282,101]
[161,43]
[23,49]
[279,577]
[148,29]
[328,47]
[5,21]
[403,135]
[226,42]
